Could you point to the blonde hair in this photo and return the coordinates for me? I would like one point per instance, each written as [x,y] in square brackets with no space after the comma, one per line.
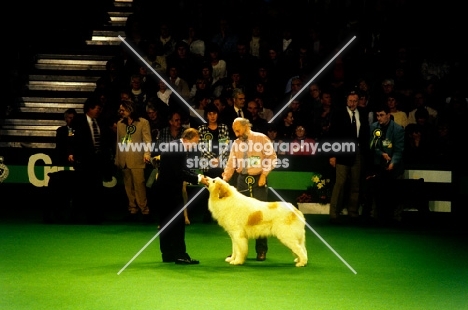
[190,133]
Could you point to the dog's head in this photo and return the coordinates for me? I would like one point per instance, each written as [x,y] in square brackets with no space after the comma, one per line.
[219,187]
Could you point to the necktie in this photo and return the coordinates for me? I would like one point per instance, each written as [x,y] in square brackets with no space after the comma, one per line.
[97,136]
[239,112]
[353,121]
[245,161]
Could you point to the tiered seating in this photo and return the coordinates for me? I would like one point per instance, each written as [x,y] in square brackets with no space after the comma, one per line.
[57,82]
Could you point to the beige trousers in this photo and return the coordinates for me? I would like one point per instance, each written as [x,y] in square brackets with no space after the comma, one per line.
[135,187]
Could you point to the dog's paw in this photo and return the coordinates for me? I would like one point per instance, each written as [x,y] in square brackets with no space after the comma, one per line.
[300,263]
[236,262]
[228,259]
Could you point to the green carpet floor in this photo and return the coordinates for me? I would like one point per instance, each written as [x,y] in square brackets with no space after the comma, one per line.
[82,267]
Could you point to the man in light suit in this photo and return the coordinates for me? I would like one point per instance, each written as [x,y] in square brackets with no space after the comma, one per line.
[386,145]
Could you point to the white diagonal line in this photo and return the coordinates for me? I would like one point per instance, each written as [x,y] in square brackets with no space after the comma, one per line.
[321,239]
[160,231]
[162,79]
[311,80]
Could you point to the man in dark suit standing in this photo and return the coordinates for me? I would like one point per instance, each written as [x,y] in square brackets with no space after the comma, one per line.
[238,109]
[91,157]
[348,124]
[173,171]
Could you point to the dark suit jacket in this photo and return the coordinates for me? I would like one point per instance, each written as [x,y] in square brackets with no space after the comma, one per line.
[341,130]
[173,171]
[229,115]
[82,148]
[62,145]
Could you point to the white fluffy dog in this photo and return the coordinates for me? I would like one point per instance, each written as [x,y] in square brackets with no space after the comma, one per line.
[246,218]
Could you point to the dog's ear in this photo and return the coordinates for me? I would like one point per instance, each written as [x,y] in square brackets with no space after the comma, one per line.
[222,189]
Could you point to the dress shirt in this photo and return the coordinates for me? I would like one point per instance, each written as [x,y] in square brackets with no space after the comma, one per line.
[237,111]
[358,122]
[263,160]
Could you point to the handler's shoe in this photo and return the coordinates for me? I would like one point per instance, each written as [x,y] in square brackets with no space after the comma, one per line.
[261,256]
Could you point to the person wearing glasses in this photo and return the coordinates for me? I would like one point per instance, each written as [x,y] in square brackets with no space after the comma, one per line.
[302,144]
[132,130]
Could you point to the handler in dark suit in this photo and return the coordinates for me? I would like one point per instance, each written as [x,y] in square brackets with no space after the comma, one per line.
[91,157]
[173,171]
[348,124]
[387,141]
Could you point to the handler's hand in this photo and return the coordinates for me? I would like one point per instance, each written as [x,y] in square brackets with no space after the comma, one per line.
[204,181]
[332,161]
[262,180]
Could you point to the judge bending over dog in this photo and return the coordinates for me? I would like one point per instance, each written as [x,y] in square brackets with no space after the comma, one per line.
[173,172]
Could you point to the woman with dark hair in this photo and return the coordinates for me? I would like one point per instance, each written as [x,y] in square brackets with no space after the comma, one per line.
[214,138]
[214,147]
[132,130]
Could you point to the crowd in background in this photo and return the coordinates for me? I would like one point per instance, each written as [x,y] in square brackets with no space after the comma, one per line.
[272,57]
[289,68]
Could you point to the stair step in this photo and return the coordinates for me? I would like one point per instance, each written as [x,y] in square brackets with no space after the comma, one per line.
[117,24]
[51,100]
[49,105]
[62,78]
[119,14]
[122,4]
[62,83]
[47,93]
[103,42]
[40,123]
[28,132]
[61,86]
[108,33]
[49,108]
[70,67]
[71,62]
[75,56]
[35,145]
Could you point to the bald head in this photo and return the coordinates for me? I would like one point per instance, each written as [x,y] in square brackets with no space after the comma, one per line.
[241,127]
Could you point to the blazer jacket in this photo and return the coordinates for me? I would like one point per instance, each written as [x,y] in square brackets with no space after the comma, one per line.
[82,147]
[229,115]
[174,170]
[341,130]
[142,135]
